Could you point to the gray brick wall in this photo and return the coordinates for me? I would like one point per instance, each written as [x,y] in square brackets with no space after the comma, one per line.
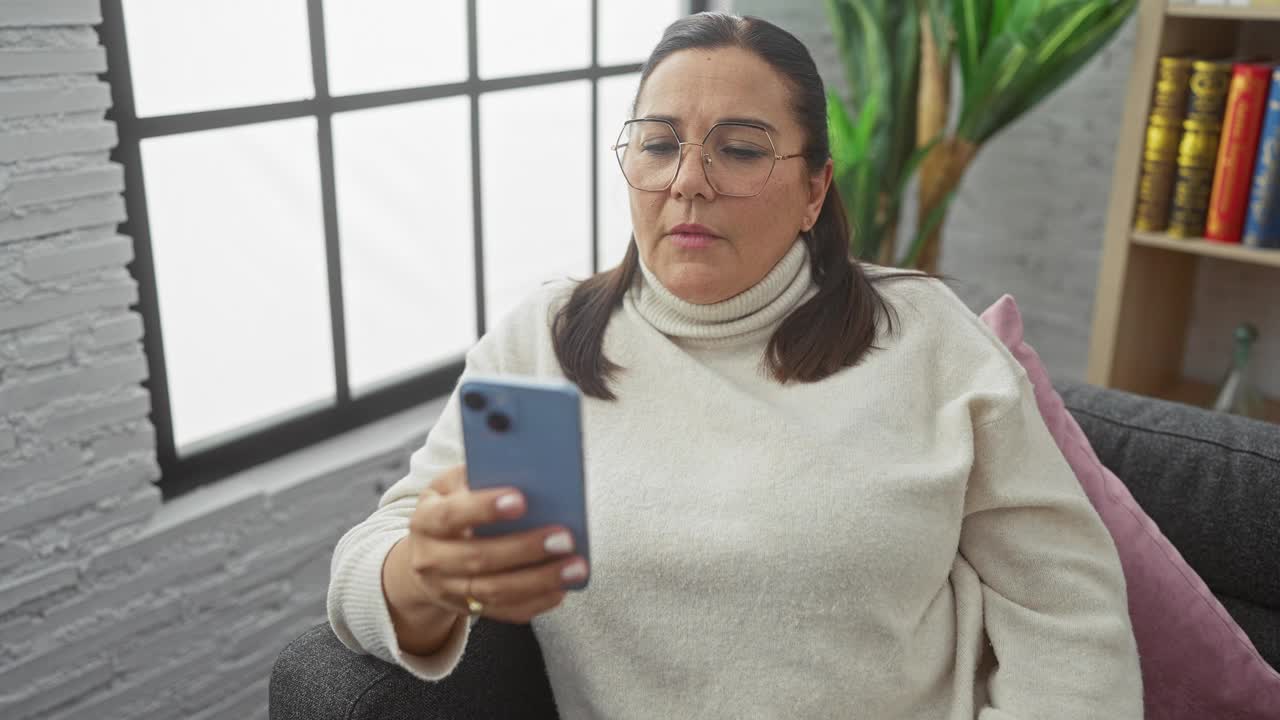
[1030,216]
[112,605]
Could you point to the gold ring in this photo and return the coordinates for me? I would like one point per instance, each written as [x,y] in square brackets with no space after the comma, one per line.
[475,606]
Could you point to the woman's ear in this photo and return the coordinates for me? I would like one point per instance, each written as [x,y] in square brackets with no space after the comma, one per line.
[819,182]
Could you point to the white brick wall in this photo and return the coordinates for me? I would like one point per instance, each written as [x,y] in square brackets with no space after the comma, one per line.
[112,606]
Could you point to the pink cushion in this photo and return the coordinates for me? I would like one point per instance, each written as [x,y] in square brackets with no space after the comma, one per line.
[1196,661]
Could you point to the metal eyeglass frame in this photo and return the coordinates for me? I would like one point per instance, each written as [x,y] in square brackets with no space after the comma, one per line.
[706,159]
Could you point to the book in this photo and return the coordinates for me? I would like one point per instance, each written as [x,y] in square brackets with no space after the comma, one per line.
[1237,148]
[1198,148]
[1160,152]
[1262,219]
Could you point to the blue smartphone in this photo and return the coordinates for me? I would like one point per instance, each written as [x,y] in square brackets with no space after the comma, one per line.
[527,433]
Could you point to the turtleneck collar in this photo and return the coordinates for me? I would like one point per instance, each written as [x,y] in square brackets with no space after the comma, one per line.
[760,307]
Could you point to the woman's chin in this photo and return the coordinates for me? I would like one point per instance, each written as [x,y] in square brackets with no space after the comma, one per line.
[698,284]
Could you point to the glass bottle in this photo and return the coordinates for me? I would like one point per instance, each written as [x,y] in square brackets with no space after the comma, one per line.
[1238,394]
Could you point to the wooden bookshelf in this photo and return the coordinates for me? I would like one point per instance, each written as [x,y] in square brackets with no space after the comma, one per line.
[1206,248]
[1225,12]
[1146,281]
[1202,394]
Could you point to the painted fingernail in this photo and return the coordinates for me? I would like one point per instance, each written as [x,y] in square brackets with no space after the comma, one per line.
[508,502]
[558,543]
[574,571]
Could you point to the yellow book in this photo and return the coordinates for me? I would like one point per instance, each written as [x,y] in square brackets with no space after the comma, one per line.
[1164,133]
[1198,147]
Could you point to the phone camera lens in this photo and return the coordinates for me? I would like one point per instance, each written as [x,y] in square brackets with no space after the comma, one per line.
[499,422]
[474,400]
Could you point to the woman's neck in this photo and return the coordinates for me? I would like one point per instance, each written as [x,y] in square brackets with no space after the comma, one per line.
[757,309]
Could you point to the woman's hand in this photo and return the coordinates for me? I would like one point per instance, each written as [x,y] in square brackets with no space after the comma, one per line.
[515,577]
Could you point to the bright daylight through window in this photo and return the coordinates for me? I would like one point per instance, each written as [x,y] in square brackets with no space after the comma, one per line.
[309,178]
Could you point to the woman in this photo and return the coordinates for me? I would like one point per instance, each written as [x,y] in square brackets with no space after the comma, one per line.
[813,492]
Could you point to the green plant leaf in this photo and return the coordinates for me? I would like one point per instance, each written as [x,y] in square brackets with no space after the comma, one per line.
[873,135]
[855,158]
[913,164]
[838,19]
[1010,54]
[905,81]
[840,15]
[970,19]
[864,129]
[1024,67]
[861,42]
[844,149]
[866,191]
[927,226]
[999,17]
[1015,16]
[1002,59]
[1072,54]
[939,14]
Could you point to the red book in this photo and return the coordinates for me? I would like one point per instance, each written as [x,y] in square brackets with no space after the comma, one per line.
[1233,175]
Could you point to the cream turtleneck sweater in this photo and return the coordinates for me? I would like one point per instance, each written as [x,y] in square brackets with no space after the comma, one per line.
[900,540]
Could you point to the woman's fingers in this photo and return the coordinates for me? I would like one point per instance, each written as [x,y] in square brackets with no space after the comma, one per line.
[518,587]
[451,515]
[516,576]
[486,556]
[451,480]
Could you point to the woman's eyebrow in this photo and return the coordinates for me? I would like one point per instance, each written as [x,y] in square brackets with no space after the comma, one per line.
[748,120]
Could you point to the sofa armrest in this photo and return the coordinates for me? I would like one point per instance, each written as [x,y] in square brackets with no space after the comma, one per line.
[1210,481]
[501,675]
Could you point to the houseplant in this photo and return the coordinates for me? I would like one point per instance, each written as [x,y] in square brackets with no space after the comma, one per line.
[898,57]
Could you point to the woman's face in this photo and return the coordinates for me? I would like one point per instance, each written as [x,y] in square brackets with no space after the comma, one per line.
[694,89]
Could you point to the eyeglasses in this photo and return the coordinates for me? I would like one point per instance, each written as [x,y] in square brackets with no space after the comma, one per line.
[737,158]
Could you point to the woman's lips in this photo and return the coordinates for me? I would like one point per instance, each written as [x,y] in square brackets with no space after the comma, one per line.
[692,241]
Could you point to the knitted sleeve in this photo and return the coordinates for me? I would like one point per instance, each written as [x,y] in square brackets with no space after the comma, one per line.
[1054,600]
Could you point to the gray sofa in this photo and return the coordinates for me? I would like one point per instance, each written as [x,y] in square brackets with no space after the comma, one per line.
[1212,483]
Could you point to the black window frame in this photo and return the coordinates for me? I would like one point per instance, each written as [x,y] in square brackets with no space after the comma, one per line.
[180,475]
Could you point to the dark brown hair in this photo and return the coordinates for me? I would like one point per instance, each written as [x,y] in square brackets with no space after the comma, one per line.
[831,331]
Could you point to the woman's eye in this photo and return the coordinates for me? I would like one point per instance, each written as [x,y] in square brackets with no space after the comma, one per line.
[658,148]
[739,152]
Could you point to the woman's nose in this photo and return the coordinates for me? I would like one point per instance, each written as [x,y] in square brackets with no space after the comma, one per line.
[692,180]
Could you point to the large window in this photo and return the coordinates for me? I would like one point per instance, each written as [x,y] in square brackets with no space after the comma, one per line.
[330,200]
